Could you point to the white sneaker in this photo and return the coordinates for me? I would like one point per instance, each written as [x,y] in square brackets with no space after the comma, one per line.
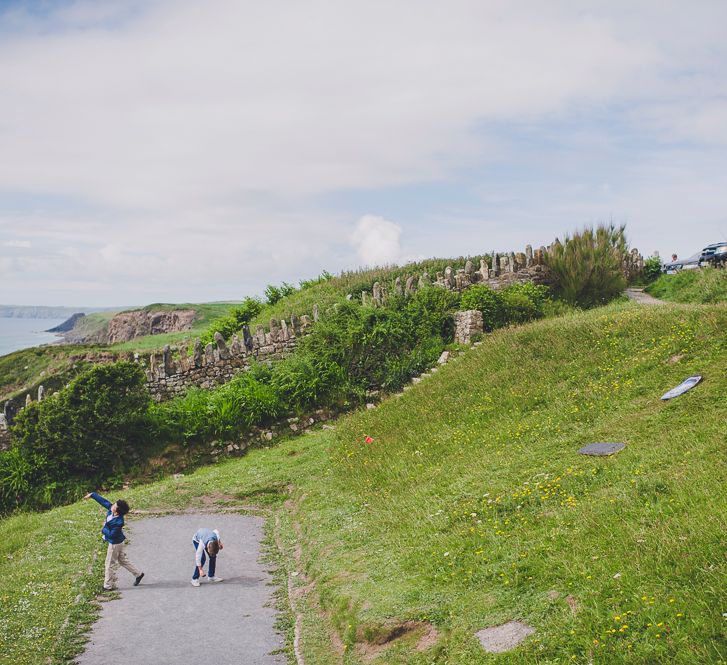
[195,582]
[215,579]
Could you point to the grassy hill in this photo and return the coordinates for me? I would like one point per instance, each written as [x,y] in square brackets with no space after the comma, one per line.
[470,507]
[708,285]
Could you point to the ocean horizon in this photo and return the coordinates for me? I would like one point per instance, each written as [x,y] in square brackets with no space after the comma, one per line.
[19,333]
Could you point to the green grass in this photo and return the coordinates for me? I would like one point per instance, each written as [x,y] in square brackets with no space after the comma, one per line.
[52,366]
[708,285]
[471,506]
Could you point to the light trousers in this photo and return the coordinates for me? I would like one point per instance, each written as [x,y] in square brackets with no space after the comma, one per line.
[115,557]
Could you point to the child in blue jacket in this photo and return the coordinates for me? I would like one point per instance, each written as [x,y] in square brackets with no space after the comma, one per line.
[112,533]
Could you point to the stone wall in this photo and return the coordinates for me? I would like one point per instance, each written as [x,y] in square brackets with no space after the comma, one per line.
[169,376]
[467,324]
[498,271]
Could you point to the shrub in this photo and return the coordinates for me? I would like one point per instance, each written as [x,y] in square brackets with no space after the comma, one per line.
[275,293]
[518,307]
[587,267]
[224,412]
[652,268]
[303,381]
[231,323]
[432,311]
[538,294]
[489,302]
[87,432]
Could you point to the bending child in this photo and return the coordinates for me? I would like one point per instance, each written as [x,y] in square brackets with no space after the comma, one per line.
[112,533]
[207,543]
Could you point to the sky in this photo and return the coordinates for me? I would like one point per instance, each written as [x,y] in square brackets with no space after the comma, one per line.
[185,151]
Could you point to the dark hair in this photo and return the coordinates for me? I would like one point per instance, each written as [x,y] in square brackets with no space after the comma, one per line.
[122,507]
[213,547]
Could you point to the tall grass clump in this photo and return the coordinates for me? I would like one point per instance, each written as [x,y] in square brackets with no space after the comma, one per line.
[587,268]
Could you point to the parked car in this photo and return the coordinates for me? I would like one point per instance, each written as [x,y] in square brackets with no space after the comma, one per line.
[682,264]
[714,254]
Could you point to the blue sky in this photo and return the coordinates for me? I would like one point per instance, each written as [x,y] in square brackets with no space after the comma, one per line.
[172,150]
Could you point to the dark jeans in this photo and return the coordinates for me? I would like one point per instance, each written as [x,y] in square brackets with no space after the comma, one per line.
[213,562]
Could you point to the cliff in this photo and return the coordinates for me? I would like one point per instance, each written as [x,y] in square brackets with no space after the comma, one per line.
[68,324]
[126,326]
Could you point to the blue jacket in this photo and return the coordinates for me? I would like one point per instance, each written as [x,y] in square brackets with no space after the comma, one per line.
[113,528]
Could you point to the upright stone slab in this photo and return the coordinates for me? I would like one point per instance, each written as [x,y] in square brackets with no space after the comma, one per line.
[235,346]
[28,400]
[315,313]
[295,324]
[284,332]
[209,354]
[197,353]
[305,323]
[167,360]
[484,271]
[410,285]
[398,288]
[41,393]
[10,410]
[260,334]
[377,295]
[448,278]
[222,350]
[247,337]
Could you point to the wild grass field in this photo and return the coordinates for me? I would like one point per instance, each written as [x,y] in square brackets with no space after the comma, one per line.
[706,285]
[468,506]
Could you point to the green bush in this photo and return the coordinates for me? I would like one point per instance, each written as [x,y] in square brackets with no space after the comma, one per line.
[652,268]
[234,321]
[302,381]
[518,307]
[223,412]
[491,303]
[87,432]
[431,309]
[275,293]
[587,267]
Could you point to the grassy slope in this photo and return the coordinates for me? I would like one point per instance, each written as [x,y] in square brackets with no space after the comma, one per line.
[471,505]
[708,285]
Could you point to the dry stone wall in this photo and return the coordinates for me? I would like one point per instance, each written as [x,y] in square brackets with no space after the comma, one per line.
[218,363]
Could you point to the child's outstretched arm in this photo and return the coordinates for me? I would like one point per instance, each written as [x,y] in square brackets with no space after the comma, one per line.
[97,497]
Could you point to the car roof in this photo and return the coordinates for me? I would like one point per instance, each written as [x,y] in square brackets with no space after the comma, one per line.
[715,244]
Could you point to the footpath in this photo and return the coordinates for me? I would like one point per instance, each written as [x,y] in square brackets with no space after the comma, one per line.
[165,620]
[640,296]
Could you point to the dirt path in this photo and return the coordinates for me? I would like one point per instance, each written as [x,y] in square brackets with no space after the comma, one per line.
[640,296]
[166,620]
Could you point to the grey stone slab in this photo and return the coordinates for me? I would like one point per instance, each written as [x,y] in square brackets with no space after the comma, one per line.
[498,639]
[601,449]
[685,385]
[166,621]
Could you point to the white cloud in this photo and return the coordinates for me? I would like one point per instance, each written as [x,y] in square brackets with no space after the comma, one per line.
[195,141]
[25,244]
[377,241]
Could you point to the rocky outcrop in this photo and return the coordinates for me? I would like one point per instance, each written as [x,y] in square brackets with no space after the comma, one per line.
[68,324]
[129,325]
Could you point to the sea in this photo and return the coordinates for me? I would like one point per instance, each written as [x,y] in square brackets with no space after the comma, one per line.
[20,333]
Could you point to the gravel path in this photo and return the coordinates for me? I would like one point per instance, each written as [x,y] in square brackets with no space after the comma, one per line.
[165,620]
[640,296]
